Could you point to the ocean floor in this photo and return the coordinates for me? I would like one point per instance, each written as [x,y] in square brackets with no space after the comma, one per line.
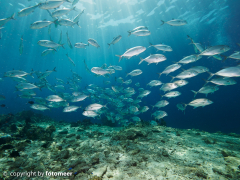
[134,153]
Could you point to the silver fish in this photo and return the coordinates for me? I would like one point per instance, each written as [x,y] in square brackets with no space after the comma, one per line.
[52,4]
[27,11]
[5,20]
[171,94]
[69,42]
[200,102]
[206,90]
[225,81]
[47,51]
[140,33]
[41,24]
[70,60]
[175,22]
[76,19]
[154,58]
[49,44]
[93,42]
[132,52]
[170,69]
[67,22]
[71,108]
[115,40]
[61,12]
[162,47]
[39,107]
[214,50]
[21,46]
[81,45]
[135,72]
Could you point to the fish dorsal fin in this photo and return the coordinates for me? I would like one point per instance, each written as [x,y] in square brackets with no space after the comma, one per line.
[172,18]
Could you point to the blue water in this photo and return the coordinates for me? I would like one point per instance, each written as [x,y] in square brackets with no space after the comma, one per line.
[209,23]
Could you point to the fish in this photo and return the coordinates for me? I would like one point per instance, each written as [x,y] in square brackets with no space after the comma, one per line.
[154,58]
[175,22]
[49,44]
[70,60]
[41,24]
[27,11]
[81,45]
[190,59]
[235,55]
[132,52]
[99,71]
[67,22]
[154,83]
[170,69]
[22,86]
[159,114]
[76,19]
[61,12]
[181,82]
[198,69]
[47,51]
[162,47]
[118,68]
[5,20]
[17,73]
[135,72]
[95,106]
[39,107]
[137,29]
[140,33]
[68,41]
[90,114]
[115,40]
[168,86]
[144,93]
[71,108]
[227,72]
[52,4]
[21,46]
[181,107]
[49,29]
[160,104]
[75,2]
[186,74]
[224,81]
[54,98]
[80,97]
[215,50]
[200,102]
[206,90]
[171,94]
[60,40]
[93,42]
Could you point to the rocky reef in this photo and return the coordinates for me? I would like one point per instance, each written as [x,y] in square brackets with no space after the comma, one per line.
[140,151]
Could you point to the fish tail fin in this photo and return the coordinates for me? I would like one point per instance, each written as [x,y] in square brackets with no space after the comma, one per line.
[162,22]
[152,106]
[74,8]
[67,54]
[55,21]
[224,58]
[88,44]
[161,96]
[238,44]
[141,60]
[129,33]
[68,1]
[172,78]
[108,45]
[105,106]
[195,93]
[12,17]
[62,46]
[127,75]
[211,75]
[120,57]
[54,69]
[205,81]
[159,75]
[78,24]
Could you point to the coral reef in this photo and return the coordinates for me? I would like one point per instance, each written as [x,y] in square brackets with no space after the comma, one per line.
[139,151]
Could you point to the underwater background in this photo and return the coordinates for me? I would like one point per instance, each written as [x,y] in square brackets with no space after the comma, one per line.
[209,23]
